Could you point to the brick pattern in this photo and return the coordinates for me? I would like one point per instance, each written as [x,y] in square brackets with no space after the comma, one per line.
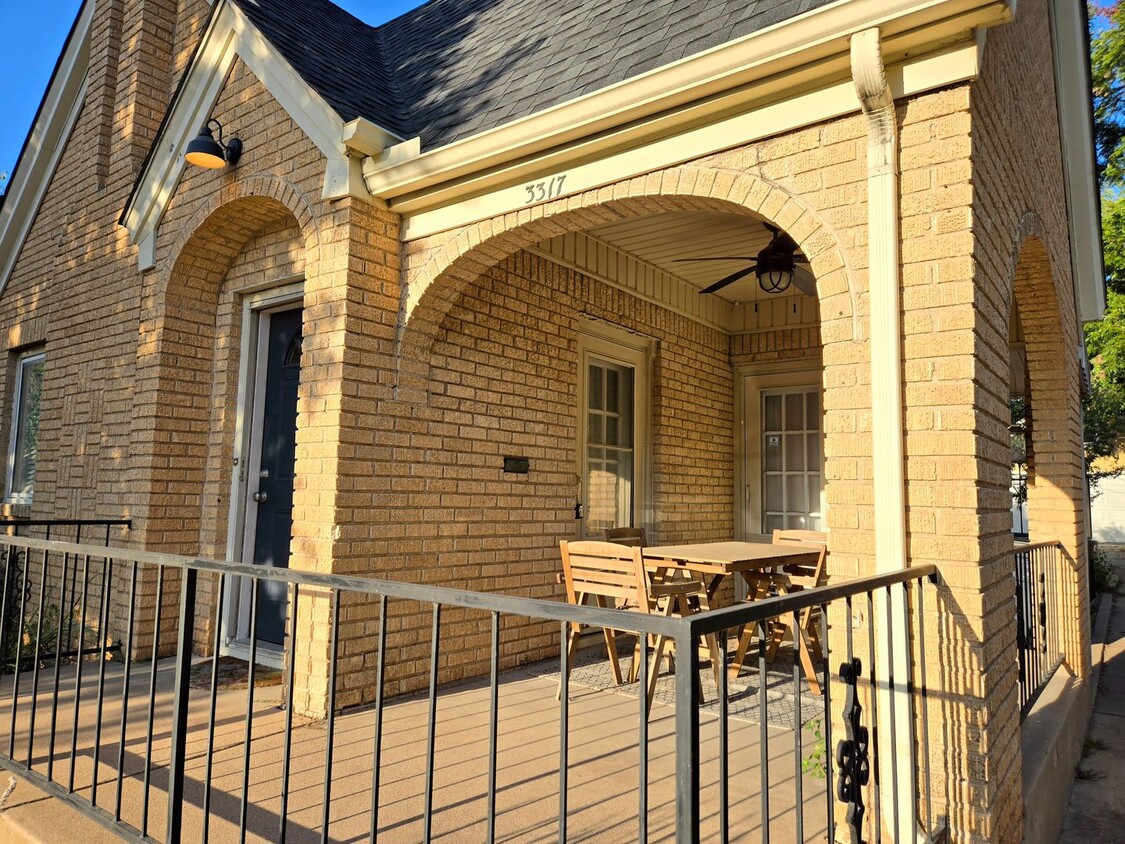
[426,362]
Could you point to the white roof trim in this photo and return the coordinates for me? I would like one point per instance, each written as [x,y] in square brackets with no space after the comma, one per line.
[810,48]
[231,35]
[61,107]
[1072,87]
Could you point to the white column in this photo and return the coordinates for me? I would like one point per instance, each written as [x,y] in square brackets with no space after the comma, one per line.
[892,647]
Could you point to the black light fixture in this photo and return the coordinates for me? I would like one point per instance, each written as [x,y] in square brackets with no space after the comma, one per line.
[775,266]
[205,151]
[775,269]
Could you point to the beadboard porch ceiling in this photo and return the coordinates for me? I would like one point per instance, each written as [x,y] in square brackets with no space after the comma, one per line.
[663,239]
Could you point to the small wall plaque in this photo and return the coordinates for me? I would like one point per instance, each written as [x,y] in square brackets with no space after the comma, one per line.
[517,465]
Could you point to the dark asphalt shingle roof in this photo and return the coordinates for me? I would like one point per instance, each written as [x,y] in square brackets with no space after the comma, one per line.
[453,68]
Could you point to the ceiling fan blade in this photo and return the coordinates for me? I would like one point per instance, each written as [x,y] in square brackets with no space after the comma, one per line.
[721,258]
[804,281]
[730,279]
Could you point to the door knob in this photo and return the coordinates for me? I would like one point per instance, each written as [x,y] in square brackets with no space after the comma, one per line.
[260,497]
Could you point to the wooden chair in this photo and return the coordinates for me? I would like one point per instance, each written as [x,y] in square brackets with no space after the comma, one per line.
[634,537]
[614,574]
[785,581]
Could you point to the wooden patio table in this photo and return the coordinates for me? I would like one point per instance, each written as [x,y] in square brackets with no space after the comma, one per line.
[712,562]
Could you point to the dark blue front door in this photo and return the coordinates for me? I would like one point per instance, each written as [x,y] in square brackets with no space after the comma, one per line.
[274,475]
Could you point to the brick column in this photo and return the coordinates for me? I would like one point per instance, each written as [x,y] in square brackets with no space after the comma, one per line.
[347,370]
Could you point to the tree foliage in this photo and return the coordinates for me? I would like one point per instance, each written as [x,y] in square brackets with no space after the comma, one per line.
[1107,72]
[1104,405]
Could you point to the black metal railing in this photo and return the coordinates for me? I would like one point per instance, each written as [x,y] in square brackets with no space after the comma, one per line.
[18,586]
[1037,573]
[149,742]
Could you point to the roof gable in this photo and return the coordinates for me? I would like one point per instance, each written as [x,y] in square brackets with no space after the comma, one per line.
[452,68]
[231,35]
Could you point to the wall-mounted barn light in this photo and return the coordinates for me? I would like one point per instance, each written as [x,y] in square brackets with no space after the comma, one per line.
[205,151]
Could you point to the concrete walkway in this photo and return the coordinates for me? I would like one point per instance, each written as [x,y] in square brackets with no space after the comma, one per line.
[1096,811]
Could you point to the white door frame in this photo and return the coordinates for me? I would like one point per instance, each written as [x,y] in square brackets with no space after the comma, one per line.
[257,308]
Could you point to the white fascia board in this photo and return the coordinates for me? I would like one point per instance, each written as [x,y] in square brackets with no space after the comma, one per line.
[61,107]
[1072,87]
[724,78]
[586,166]
[231,35]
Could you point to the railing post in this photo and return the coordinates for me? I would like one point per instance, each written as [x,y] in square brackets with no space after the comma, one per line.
[180,705]
[687,736]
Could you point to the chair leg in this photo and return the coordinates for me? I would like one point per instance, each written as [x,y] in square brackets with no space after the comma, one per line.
[712,641]
[807,664]
[740,652]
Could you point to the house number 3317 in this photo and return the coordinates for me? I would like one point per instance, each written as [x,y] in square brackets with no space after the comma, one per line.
[539,191]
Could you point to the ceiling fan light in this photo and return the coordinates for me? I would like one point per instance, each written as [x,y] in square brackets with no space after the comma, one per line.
[774,279]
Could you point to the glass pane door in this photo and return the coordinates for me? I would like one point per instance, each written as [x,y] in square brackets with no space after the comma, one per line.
[609,460]
[792,477]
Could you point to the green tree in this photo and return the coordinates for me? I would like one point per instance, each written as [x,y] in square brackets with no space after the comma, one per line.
[1104,405]
[1107,73]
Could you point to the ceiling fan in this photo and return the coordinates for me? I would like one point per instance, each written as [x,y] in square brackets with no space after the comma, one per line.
[775,266]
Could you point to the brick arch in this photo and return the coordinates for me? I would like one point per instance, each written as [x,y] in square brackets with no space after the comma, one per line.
[1056,469]
[232,216]
[435,277]
[177,350]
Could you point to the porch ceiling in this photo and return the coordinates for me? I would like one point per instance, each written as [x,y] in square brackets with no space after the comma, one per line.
[664,239]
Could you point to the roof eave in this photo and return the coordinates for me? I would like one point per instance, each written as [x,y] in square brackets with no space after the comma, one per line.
[1070,39]
[717,82]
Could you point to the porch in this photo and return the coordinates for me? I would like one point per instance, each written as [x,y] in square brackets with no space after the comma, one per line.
[179,758]
[602,778]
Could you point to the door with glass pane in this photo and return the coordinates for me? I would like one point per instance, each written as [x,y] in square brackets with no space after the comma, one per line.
[792,476]
[608,467]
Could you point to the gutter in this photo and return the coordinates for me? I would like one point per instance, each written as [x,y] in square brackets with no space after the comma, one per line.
[883,223]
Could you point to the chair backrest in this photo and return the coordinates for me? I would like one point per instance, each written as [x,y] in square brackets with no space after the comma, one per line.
[807,576]
[604,569]
[634,537]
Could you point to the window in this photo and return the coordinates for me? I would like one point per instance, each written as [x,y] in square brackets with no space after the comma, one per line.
[609,446]
[791,460]
[611,432]
[23,449]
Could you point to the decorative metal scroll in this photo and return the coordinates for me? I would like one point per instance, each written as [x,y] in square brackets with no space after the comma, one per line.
[851,753]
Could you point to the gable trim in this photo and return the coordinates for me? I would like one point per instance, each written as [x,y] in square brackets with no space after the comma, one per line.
[231,35]
[45,143]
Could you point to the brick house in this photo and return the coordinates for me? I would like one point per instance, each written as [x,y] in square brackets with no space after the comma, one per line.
[483,232]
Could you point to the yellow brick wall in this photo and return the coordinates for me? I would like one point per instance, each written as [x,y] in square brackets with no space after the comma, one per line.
[426,362]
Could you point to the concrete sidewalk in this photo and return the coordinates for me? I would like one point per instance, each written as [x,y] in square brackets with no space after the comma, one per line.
[1096,811]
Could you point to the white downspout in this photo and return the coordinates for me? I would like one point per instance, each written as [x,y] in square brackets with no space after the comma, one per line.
[896,771]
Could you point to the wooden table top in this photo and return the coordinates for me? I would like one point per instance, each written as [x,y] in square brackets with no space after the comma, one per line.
[728,557]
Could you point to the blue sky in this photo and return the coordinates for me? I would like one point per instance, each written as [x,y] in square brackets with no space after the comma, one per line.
[34,36]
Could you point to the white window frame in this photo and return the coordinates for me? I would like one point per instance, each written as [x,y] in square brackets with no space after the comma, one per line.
[22,362]
[597,341]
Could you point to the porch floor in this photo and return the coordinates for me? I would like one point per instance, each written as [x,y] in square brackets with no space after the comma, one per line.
[602,794]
